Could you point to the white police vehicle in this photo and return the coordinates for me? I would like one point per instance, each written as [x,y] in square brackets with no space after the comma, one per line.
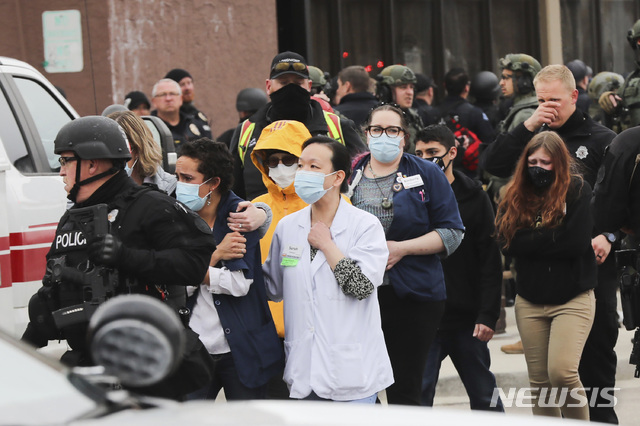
[32,196]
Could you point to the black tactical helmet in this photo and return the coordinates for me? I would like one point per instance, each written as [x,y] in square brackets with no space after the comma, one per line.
[93,137]
[251,99]
[485,85]
[578,69]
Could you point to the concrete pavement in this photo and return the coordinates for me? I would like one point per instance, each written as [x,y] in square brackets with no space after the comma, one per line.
[511,371]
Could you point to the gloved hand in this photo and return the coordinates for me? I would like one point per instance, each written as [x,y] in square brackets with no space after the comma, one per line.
[105,250]
[610,106]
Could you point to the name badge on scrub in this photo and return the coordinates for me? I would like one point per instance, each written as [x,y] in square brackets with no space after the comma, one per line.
[291,255]
[412,181]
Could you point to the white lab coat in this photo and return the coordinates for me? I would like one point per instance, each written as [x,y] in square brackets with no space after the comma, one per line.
[333,343]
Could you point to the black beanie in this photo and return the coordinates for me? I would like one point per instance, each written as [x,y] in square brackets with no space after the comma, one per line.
[177,74]
[134,99]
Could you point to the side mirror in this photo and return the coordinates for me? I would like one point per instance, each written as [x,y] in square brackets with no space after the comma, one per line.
[137,339]
[163,137]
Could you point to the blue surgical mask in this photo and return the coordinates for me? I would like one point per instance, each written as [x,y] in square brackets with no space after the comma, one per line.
[189,195]
[310,185]
[385,149]
[128,169]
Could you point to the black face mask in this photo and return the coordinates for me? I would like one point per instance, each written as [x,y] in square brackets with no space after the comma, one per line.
[541,178]
[290,103]
[440,161]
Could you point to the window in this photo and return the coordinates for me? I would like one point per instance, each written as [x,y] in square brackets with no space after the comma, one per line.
[48,115]
[13,140]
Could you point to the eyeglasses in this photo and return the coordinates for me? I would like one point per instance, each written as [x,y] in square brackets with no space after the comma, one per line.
[287,160]
[66,160]
[167,94]
[391,131]
[287,66]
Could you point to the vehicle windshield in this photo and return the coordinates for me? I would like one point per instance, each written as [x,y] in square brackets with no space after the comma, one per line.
[36,389]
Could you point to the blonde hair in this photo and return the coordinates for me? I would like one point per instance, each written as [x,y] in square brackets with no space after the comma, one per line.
[556,72]
[141,140]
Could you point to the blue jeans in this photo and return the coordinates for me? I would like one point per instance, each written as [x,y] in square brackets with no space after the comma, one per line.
[225,376]
[472,360]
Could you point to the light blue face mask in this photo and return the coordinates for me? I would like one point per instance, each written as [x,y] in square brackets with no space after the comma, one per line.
[128,169]
[385,149]
[189,195]
[310,185]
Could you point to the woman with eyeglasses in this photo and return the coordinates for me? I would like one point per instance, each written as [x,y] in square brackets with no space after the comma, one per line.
[544,222]
[229,309]
[414,202]
[325,263]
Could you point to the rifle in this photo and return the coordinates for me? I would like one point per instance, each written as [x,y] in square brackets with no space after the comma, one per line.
[99,283]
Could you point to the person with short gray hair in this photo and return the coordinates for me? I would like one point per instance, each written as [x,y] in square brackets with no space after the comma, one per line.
[167,100]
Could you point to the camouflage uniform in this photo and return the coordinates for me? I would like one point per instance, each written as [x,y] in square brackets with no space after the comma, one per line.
[628,110]
[396,75]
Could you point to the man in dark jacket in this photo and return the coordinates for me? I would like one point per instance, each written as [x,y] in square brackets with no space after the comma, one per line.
[184,79]
[289,88]
[473,276]
[586,141]
[457,85]
[353,92]
[579,71]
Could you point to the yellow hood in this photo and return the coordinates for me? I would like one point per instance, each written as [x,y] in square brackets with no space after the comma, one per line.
[283,135]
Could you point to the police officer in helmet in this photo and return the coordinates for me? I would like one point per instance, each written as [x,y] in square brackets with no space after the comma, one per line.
[625,102]
[516,82]
[150,243]
[605,81]
[396,84]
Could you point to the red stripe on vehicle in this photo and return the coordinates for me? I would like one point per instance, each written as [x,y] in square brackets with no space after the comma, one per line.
[32,237]
[28,265]
[43,225]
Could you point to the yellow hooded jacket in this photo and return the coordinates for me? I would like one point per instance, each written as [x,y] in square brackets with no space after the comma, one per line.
[288,136]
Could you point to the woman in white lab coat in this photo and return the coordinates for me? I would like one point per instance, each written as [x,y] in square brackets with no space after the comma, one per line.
[326,262]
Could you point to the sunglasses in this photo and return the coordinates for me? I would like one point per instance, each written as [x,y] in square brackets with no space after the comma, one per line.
[66,160]
[287,160]
[288,66]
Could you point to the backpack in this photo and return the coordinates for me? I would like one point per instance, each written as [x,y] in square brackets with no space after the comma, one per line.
[471,152]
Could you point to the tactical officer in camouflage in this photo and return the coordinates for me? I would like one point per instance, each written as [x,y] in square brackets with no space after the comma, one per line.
[605,81]
[516,81]
[396,84]
[625,102]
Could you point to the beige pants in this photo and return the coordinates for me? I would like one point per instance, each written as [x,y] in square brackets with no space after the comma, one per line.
[553,337]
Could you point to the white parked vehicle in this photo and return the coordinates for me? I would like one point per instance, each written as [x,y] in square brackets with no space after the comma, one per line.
[32,196]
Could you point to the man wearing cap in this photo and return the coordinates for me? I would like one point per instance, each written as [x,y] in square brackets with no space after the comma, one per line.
[184,79]
[355,100]
[152,245]
[289,88]
[423,102]
[138,103]
[167,99]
